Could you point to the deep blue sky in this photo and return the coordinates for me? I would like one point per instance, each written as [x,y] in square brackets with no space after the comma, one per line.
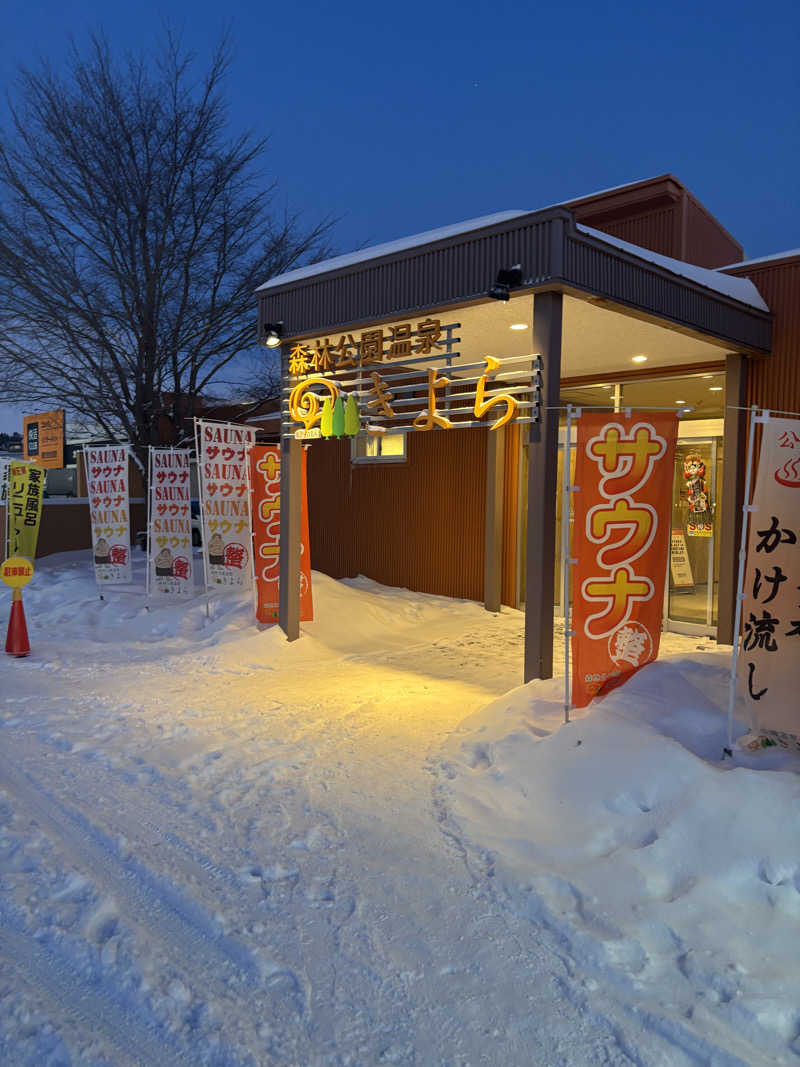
[406,117]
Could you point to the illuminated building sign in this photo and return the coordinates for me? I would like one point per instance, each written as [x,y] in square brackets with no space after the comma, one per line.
[401,378]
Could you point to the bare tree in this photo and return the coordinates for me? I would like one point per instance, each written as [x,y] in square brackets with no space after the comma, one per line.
[133,231]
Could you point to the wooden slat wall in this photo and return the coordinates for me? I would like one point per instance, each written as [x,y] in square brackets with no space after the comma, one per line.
[418,524]
[510,516]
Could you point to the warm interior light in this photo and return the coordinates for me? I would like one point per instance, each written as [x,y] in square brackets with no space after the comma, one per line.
[715,388]
[518,326]
[639,359]
[708,375]
[680,401]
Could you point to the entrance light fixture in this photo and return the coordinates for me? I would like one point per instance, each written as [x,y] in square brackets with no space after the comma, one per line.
[518,326]
[639,359]
[507,279]
[715,388]
[273,331]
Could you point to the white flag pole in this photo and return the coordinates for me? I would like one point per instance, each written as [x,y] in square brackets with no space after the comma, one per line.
[747,508]
[198,434]
[567,489]
[149,534]
[248,446]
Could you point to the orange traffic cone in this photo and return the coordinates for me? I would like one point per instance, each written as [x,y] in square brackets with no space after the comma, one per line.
[17,643]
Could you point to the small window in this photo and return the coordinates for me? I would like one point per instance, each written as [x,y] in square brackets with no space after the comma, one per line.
[388,448]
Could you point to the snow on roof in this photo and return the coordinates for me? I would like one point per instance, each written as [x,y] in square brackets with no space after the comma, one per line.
[742,289]
[762,259]
[361,255]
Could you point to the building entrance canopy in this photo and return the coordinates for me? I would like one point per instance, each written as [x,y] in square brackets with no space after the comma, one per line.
[596,304]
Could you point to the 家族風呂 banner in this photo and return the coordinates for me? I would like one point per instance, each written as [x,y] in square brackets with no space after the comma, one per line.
[25,493]
[265,484]
[623,499]
[768,668]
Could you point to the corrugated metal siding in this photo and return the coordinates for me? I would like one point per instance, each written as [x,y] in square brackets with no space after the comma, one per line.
[593,268]
[508,594]
[411,281]
[657,230]
[707,244]
[774,381]
[418,525]
[550,250]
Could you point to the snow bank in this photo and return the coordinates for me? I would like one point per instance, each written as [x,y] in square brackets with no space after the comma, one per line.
[670,877]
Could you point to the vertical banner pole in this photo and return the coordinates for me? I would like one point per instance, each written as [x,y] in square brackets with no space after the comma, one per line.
[149,535]
[198,435]
[565,556]
[746,509]
[251,504]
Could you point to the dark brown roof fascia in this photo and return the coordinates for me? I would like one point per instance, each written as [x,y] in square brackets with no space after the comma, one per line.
[553,253]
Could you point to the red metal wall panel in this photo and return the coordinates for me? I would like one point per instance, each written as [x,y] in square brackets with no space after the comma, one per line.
[707,243]
[657,230]
[773,381]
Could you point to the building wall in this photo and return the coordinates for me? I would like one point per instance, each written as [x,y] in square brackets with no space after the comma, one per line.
[662,215]
[773,381]
[418,524]
[705,241]
[658,230]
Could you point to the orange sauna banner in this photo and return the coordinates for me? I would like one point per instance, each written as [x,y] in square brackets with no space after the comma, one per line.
[623,496]
[265,486]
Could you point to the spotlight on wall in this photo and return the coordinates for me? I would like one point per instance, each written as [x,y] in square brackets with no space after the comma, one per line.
[507,280]
[273,331]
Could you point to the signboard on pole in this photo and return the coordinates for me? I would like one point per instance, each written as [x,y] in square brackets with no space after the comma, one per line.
[768,669]
[265,485]
[169,523]
[224,503]
[107,481]
[43,438]
[25,493]
[623,486]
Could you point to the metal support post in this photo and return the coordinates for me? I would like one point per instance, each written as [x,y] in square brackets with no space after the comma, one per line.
[291,497]
[542,489]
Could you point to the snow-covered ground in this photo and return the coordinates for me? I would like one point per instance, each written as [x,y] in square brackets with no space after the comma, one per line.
[361,848]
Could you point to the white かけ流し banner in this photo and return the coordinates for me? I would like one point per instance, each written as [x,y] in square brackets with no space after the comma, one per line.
[225,503]
[107,482]
[769,662]
[169,555]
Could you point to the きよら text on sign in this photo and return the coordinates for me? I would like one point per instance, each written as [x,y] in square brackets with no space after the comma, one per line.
[623,475]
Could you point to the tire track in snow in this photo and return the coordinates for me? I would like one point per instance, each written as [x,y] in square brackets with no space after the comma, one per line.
[152,904]
[87,1006]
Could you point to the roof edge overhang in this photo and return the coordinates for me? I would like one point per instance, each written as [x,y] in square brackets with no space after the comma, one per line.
[554,254]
